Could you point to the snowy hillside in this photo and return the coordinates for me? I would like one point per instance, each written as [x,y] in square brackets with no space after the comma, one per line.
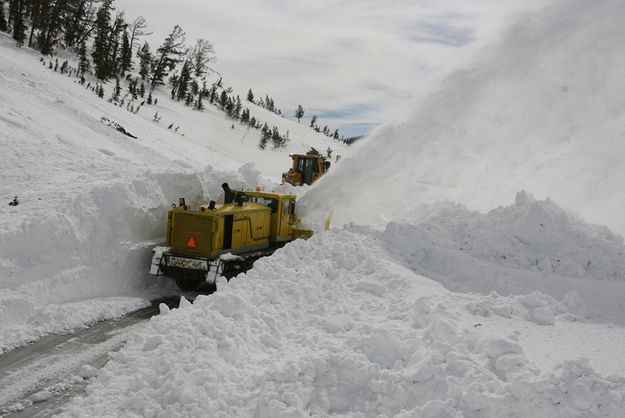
[94,201]
[541,111]
[414,305]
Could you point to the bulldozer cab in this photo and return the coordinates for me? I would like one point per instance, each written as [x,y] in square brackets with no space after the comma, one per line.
[282,213]
[306,169]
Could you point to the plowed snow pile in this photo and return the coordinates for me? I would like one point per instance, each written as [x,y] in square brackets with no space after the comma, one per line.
[543,111]
[333,327]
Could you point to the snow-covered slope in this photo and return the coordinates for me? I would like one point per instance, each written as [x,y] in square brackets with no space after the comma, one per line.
[92,200]
[541,111]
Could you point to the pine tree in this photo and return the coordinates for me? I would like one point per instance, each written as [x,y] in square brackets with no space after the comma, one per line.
[78,21]
[265,135]
[250,96]
[117,91]
[252,122]
[101,41]
[276,138]
[237,108]
[149,98]
[126,54]
[299,113]
[115,44]
[64,67]
[145,60]
[3,21]
[199,105]
[16,16]
[181,83]
[168,55]
[213,95]
[336,134]
[83,63]
[189,99]
[230,107]
[223,99]
[313,121]
[142,90]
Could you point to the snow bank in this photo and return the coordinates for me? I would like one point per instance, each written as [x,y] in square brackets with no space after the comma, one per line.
[98,246]
[517,249]
[331,326]
[541,111]
[530,235]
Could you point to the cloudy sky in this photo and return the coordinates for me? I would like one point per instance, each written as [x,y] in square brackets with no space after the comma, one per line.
[353,63]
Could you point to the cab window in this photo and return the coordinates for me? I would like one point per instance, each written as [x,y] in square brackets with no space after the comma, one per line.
[271,203]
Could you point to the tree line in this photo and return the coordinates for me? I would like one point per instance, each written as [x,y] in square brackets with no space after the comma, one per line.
[109,47]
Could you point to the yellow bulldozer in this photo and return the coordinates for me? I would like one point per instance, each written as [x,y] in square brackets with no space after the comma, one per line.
[224,239]
[306,168]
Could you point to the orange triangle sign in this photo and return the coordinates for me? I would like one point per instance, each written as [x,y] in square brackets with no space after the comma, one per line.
[191,244]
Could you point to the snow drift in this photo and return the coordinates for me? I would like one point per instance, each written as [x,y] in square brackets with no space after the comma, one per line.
[542,111]
[333,327]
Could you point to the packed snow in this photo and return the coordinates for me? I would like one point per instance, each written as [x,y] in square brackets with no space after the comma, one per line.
[457,281]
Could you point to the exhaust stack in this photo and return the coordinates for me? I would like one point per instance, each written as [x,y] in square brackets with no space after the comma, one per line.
[228,195]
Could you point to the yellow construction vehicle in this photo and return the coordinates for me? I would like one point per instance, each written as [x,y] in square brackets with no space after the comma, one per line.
[224,239]
[306,169]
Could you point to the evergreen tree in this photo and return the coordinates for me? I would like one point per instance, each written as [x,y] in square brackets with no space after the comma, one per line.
[252,122]
[142,89]
[230,107]
[16,16]
[199,105]
[313,121]
[276,138]
[245,116]
[83,63]
[213,95]
[118,90]
[101,46]
[223,99]
[115,44]
[189,100]
[78,21]
[64,67]
[50,21]
[195,88]
[237,108]
[126,54]
[149,98]
[168,55]
[181,83]
[299,113]
[336,134]
[250,96]
[145,60]
[3,21]
[265,135]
